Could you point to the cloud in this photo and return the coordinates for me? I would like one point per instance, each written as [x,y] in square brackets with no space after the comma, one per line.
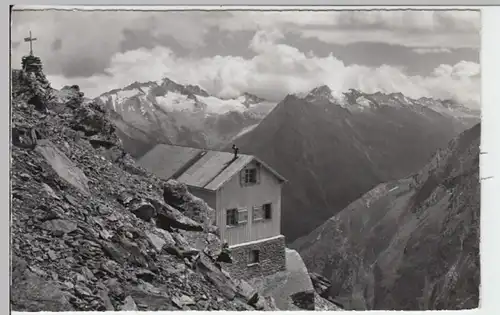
[57,44]
[421,39]
[413,20]
[91,38]
[278,70]
[431,50]
[412,28]
[463,69]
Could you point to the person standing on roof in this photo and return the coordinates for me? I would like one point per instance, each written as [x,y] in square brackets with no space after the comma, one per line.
[235,150]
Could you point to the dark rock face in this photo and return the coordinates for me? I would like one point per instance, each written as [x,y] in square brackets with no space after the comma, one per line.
[410,244]
[90,229]
[75,98]
[174,193]
[304,300]
[92,120]
[321,284]
[144,211]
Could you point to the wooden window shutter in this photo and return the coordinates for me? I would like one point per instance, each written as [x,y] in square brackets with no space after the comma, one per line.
[259,169]
[256,213]
[242,216]
[242,178]
[228,218]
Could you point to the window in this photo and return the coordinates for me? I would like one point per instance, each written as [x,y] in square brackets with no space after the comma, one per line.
[254,257]
[231,217]
[263,212]
[236,216]
[251,176]
[267,211]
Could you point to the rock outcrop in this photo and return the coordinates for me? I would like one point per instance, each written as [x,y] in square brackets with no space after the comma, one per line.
[91,231]
[31,84]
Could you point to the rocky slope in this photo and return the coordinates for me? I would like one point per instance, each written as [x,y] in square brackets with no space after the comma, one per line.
[92,231]
[409,244]
[332,149]
[149,113]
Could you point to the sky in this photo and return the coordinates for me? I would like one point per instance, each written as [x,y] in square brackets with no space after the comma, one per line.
[266,53]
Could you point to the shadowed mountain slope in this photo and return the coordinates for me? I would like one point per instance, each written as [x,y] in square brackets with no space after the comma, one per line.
[407,244]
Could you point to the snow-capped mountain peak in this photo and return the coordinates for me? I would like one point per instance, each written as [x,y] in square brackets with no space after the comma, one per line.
[172,96]
[324,93]
[320,93]
[357,101]
[180,113]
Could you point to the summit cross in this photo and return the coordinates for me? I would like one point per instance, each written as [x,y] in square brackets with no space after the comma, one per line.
[30,39]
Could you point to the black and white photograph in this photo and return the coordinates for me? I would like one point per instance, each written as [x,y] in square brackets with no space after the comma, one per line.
[244,160]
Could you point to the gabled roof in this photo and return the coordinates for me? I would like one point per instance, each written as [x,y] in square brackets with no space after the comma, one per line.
[196,167]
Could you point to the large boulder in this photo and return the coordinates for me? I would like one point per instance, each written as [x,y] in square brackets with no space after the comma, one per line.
[59,226]
[63,166]
[244,289]
[172,218]
[215,276]
[321,284]
[177,195]
[160,239]
[34,294]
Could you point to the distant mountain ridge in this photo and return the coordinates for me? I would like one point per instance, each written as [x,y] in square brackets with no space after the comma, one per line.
[333,147]
[152,112]
[408,244]
[355,100]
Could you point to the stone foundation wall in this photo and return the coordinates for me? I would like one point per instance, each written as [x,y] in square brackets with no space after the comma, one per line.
[32,64]
[272,258]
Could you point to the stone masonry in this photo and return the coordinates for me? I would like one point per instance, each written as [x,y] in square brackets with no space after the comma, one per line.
[32,64]
[272,258]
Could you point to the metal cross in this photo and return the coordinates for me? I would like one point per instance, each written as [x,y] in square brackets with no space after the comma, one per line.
[30,39]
